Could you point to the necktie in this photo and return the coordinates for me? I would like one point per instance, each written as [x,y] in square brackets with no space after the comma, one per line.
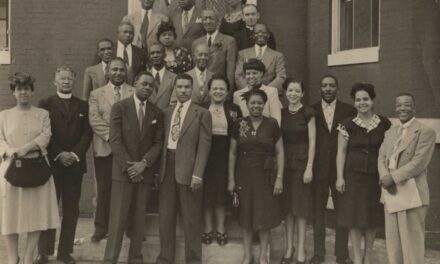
[394,156]
[185,21]
[209,41]
[175,128]
[259,53]
[144,30]
[157,78]
[202,81]
[141,114]
[126,56]
[167,3]
[117,93]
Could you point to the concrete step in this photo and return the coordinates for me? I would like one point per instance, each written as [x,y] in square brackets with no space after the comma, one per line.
[231,253]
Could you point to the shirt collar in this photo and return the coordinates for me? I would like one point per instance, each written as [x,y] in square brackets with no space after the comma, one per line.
[407,124]
[213,35]
[324,104]
[190,11]
[137,101]
[154,71]
[186,104]
[113,86]
[198,71]
[143,11]
[121,45]
[104,65]
[64,96]
[372,124]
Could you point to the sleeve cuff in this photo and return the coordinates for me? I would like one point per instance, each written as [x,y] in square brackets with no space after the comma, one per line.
[198,178]
[76,156]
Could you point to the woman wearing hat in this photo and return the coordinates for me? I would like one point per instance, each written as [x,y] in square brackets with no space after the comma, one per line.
[24,133]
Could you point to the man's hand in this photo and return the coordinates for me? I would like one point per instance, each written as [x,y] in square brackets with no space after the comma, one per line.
[196,183]
[392,189]
[136,168]
[66,158]
[386,181]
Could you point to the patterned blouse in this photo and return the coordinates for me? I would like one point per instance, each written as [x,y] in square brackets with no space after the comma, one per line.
[180,61]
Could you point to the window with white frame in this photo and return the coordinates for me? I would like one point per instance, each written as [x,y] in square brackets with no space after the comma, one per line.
[5,47]
[355,32]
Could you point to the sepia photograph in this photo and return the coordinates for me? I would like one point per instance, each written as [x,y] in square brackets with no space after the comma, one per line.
[220,131]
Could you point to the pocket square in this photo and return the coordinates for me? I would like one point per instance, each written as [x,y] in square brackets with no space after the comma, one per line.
[81,115]
[199,20]
[154,121]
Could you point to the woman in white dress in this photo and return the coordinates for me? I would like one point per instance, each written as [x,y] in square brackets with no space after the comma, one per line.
[24,129]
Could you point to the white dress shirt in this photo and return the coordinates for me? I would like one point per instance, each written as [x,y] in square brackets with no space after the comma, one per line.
[120,52]
[104,66]
[136,104]
[190,12]
[329,112]
[143,14]
[171,143]
[161,73]
[213,36]
[392,165]
[263,49]
[198,75]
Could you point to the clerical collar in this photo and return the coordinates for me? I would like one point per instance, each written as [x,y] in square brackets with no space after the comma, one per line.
[64,96]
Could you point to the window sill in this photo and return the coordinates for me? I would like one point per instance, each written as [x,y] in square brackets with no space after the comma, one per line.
[354,56]
[5,56]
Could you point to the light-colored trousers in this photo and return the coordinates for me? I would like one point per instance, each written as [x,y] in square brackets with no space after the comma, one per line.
[405,236]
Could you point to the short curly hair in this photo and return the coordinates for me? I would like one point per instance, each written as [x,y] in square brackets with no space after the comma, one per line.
[247,95]
[367,87]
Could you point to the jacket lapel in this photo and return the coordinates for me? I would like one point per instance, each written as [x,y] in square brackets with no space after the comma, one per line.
[192,20]
[73,107]
[320,112]
[267,57]
[190,115]
[164,84]
[411,132]
[132,115]
[155,20]
[148,118]
[107,93]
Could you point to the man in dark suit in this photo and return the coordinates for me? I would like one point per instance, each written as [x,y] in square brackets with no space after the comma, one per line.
[188,23]
[200,74]
[136,58]
[94,76]
[244,36]
[222,48]
[146,20]
[136,139]
[329,112]
[71,137]
[163,94]
[188,129]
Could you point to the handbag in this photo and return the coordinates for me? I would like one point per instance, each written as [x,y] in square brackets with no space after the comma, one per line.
[30,172]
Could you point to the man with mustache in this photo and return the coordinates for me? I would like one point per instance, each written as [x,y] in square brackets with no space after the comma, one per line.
[329,112]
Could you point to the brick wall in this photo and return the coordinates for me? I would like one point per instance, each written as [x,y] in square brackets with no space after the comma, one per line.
[408,30]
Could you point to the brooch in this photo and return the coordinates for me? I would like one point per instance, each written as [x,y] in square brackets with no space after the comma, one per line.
[244,128]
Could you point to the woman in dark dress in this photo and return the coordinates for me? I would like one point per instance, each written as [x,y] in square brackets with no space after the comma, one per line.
[224,114]
[255,142]
[299,135]
[177,59]
[359,140]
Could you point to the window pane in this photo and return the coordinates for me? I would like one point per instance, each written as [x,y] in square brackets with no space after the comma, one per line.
[346,25]
[375,23]
[4,23]
[3,9]
[362,24]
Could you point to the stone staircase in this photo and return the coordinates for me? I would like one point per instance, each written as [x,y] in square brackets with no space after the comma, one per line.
[231,253]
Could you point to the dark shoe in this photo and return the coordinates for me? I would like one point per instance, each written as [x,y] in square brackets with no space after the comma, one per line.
[316,260]
[18,261]
[41,259]
[97,237]
[344,261]
[66,258]
[207,238]
[222,238]
[287,260]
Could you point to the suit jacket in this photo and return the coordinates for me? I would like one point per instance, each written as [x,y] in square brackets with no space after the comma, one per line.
[71,131]
[194,31]
[100,103]
[129,142]
[138,62]
[154,22]
[223,55]
[414,154]
[193,145]
[94,77]
[275,68]
[197,96]
[167,10]
[272,108]
[165,95]
[245,39]
[324,165]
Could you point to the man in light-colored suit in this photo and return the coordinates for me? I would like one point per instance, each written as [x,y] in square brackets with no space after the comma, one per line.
[200,74]
[188,129]
[94,76]
[145,22]
[100,103]
[136,139]
[254,71]
[273,60]
[222,48]
[188,23]
[168,7]
[403,157]
[163,94]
